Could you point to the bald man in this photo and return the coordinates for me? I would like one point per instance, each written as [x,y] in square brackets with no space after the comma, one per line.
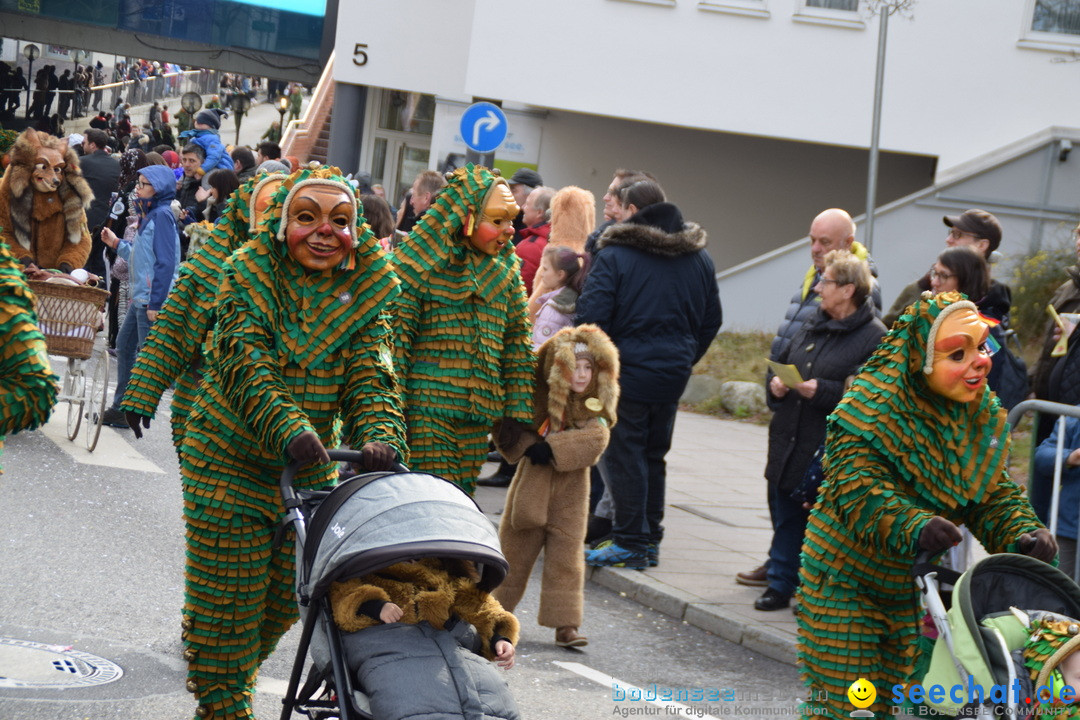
[832,229]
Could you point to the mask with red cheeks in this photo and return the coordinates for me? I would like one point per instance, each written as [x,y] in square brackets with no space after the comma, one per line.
[319,230]
[961,359]
[495,227]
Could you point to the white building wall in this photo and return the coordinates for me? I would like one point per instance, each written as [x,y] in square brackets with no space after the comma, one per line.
[958,81]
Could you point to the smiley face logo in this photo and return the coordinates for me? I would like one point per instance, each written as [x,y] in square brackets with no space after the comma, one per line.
[862,693]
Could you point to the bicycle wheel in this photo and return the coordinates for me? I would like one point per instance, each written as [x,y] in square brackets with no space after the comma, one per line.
[99,396]
[74,389]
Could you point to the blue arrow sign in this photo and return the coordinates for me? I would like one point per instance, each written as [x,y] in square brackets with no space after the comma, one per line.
[483,127]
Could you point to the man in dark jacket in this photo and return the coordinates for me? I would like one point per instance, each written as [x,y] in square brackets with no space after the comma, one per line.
[102,173]
[653,291]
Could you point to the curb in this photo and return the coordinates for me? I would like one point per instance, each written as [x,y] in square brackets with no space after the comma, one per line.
[684,606]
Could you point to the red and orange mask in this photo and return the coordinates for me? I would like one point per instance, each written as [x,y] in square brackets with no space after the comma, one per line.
[961,359]
[320,226]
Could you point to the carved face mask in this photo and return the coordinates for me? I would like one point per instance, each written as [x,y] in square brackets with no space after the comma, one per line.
[961,357]
[48,170]
[319,232]
[496,225]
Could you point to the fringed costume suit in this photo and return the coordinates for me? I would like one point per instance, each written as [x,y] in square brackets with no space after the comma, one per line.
[27,385]
[897,454]
[463,339]
[293,351]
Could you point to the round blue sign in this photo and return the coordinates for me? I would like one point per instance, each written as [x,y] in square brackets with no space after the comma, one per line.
[483,127]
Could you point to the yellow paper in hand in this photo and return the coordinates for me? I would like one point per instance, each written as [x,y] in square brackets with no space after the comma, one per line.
[1067,323]
[788,374]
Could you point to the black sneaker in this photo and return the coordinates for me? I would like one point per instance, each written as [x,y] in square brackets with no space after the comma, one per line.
[114,418]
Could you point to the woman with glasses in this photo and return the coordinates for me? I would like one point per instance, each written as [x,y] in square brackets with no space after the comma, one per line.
[827,351]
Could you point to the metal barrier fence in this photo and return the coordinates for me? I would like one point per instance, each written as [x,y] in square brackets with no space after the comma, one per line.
[154,89]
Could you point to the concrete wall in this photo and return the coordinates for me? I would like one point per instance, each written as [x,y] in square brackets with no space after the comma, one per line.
[909,234]
[963,77]
[751,194]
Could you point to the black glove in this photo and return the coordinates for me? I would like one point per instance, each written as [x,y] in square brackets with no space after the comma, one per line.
[939,534]
[378,456]
[134,419]
[539,453]
[65,268]
[1039,544]
[508,431]
[307,447]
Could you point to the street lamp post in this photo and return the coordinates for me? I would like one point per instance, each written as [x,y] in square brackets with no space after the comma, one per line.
[32,52]
[239,103]
[282,107]
[190,103]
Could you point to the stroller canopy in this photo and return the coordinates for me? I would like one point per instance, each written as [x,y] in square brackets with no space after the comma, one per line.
[372,521]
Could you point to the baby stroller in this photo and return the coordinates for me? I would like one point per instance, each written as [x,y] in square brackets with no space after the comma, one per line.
[365,524]
[979,632]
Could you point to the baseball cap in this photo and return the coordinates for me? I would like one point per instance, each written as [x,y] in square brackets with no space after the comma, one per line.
[526,176]
[979,223]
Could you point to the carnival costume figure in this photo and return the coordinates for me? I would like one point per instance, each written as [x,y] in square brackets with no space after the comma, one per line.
[173,349]
[43,201]
[547,505]
[28,387]
[300,355]
[916,446]
[463,344]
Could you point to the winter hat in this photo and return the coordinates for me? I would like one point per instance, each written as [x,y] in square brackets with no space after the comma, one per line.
[171,158]
[211,117]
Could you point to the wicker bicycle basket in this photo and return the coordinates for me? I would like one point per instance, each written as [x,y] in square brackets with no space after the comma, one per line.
[69,316]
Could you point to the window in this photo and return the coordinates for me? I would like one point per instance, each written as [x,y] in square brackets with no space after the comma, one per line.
[1056,16]
[847,5]
[838,13]
[1051,25]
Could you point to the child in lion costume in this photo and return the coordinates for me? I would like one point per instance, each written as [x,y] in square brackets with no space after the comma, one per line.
[43,201]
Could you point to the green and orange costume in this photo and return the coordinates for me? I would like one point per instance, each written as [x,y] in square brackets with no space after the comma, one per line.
[463,343]
[173,349]
[27,384]
[292,352]
[897,454]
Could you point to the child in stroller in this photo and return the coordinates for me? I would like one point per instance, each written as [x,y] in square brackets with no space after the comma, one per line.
[1052,662]
[426,618]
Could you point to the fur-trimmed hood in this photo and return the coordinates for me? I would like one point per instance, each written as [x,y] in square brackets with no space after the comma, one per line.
[553,398]
[75,194]
[658,229]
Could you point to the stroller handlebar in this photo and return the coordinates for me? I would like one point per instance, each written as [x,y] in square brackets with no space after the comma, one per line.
[338,455]
[923,567]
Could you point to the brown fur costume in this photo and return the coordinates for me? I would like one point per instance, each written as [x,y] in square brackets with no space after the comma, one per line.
[547,506]
[425,590]
[49,228]
[573,217]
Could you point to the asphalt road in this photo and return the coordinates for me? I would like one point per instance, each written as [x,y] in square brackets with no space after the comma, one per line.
[92,563]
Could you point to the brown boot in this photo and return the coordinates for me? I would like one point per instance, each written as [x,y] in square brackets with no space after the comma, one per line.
[567,637]
[758,577]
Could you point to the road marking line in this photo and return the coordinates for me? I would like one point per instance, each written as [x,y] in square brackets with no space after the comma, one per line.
[674,709]
[272,686]
[112,450]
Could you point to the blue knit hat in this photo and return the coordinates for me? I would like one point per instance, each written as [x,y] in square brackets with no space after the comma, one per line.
[211,117]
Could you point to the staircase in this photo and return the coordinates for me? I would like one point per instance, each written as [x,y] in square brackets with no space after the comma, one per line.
[309,137]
